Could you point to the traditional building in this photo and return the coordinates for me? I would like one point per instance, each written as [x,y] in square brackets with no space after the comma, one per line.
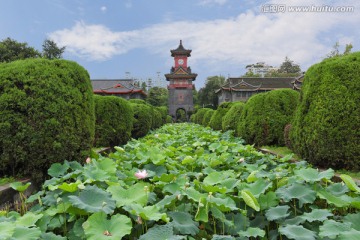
[125,88]
[297,82]
[180,82]
[241,89]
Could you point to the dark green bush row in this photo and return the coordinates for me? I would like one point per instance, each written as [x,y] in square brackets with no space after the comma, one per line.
[265,116]
[46,115]
[326,127]
[260,121]
[231,118]
[217,118]
[114,121]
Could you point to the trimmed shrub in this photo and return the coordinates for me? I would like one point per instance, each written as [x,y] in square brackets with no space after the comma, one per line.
[216,119]
[265,115]
[164,113]
[142,120]
[169,119]
[138,101]
[231,118]
[114,121]
[46,115]
[199,115]
[325,130]
[207,117]
[157,120]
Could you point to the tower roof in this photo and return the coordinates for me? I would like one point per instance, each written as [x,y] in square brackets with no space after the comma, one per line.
[180,50]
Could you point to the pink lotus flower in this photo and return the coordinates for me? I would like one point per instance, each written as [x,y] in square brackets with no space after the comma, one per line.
[88,160]
[141,174]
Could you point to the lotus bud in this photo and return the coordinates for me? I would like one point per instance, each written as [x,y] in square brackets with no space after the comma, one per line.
[139,220]
[88,160]
[141,174]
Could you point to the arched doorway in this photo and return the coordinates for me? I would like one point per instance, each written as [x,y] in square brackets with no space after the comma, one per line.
[181,115]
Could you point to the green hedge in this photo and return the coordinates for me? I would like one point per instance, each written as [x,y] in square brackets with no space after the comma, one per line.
[46,115]
[207,117]
[114,121]
[142,120]
[325,130]
[156,117]
[216,119]
[231,118]
[199,115]
[265,115]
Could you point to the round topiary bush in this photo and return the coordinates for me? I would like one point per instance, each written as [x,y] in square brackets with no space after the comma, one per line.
[114,121]
[231,118]
[265,115]
[46,115]
[164,113]
[142,120]
[207,117]
[325,130]
[216,119]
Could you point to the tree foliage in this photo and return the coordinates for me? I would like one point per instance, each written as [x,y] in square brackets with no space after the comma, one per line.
[51,50]
[288,66]
[11,50]
[207,94]
[158,96]
[46,115]
[325,128]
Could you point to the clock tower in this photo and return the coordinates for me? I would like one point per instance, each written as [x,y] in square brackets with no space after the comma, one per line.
[180,82]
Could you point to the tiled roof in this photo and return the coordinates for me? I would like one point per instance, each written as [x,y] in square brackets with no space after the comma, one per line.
[115,86]
[180,50]
[266,83]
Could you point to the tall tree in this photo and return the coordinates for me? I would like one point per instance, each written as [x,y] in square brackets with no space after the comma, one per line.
[51,50]
[158,96]
[288,66]
[207,95]
[11,50]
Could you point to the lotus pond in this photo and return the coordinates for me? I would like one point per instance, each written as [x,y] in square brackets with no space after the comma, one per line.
[185,181]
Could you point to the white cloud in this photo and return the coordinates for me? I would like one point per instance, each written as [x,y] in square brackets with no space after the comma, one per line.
[207,2]
[103,9]
[250,37]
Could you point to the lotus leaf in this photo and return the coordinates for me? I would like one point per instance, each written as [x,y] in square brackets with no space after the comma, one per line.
[24,233]
[337,201]
[160,232]
[252,232]
[135,194]
[332,229]
[350,183]
[20,187]
[51,236]
[250,200]
[6,230]
[99,227]
[147,213]
[93,199]
[202,211]
[298,191]
[317,215]
[312,175]
[354,219]
[297,232]
[183,223]
[276,213]
[268,200]
[28,220]
[58,169]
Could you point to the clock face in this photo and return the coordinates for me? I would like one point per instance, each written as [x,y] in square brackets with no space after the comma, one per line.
[181,61]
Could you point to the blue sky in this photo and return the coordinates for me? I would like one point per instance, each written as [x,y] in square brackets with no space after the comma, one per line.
[111,37]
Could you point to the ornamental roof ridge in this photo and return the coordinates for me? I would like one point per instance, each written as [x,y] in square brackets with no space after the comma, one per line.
[180,50]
